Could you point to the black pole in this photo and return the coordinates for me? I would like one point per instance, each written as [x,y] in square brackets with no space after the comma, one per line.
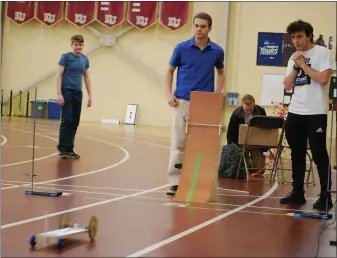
[2,102]
[10,103]
[27,104]
[20,102]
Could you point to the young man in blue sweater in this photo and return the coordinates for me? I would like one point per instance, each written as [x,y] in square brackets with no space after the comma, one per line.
[195,59]
[73,66]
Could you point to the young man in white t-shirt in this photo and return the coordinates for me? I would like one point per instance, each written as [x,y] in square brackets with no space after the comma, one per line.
[308,72]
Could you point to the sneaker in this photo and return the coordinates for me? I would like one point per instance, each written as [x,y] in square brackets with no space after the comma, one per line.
[294,198]
[172,190]
[69,154]
[321,203]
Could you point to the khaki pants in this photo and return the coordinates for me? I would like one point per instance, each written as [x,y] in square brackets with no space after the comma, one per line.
[178,140]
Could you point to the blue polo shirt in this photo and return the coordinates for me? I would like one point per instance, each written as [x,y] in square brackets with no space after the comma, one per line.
[196,67]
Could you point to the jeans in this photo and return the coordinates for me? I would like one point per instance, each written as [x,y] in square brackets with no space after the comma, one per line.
[71,113]
[300,128]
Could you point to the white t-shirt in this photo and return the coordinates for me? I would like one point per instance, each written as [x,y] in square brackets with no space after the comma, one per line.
[310,97]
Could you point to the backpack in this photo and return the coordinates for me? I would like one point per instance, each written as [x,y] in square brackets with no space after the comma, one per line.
[229,162]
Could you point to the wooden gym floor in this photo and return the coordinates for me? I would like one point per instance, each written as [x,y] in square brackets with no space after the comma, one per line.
[121,178]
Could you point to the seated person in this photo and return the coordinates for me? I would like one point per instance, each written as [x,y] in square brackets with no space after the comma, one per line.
[240,116]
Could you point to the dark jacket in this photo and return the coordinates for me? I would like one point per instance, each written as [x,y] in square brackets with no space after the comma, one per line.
[237,119]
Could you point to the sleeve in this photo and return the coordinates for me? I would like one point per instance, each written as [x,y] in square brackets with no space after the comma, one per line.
[290,66]
[176,57]
[220,60]
[327,61]
[232,131]
[263,111]
[63,60]
[87,64]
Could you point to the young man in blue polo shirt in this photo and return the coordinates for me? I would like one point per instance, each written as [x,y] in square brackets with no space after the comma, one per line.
[73,66]
[195,60]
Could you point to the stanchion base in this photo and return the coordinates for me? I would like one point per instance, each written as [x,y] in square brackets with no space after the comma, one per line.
[333,242]
[55,194]
[322,216]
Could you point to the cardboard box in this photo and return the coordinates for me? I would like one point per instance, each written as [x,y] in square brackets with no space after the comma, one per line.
[258,136]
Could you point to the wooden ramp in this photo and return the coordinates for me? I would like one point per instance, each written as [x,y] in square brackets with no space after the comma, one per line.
[199,174]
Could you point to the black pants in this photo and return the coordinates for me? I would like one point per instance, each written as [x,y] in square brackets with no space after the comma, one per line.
[71,113]
[300,128]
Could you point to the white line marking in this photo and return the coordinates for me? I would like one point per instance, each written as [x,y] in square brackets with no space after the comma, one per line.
[30,160]
[21,222]
[4,140]
[117,137]
[126,157]
[29,147]
[202,225]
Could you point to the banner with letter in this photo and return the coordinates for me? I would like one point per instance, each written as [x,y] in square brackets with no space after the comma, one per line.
[49,13]
[20,12]
[142,15]
[269,49]
[174,15]
[111,14]
[80,13]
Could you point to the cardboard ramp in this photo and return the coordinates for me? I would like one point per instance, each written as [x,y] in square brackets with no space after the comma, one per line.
[199,174]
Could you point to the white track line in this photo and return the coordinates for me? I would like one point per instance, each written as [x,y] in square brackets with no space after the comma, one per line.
[28,146]
[37,159]
[4,140]
[21,222]
[126,157]
[202,225]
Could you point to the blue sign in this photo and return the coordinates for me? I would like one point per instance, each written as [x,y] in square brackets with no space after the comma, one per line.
[269,49]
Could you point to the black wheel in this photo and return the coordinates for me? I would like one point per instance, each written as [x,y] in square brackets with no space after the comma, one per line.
[32,241]
[60,243]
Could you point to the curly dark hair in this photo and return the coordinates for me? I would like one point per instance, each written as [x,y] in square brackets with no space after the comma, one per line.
[301,26]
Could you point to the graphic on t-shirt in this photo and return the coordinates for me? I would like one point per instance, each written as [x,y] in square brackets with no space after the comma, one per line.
[302,78]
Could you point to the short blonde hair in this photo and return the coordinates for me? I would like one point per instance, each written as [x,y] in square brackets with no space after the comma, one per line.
[248,99]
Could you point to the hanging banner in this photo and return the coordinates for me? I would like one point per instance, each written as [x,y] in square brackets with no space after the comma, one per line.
[174,15]
[50,13]
[142,15]
[111,14]
[80,13]
[20,11]
[269,49]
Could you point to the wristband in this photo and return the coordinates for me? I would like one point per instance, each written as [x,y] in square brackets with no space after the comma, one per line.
[296,68]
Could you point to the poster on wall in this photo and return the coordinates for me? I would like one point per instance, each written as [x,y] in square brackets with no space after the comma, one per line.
[111,14]
[174,15]
[49,13]
[269,49]
[142,15]
[287,50]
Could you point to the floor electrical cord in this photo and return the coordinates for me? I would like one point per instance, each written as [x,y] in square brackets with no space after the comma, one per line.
[326,225]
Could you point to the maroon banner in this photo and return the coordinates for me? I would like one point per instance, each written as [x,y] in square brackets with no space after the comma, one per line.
[80,13]
[110,14]
[49,13]
[142,15]
[174,15]
[20,11]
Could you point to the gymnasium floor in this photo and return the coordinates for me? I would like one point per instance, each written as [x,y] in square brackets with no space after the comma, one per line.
[121,178]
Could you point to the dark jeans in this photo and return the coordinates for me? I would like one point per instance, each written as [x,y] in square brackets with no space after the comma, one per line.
[300,128]
[71,113]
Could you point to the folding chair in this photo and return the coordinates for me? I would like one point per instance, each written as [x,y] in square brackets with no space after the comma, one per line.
[310,170]
[265,123]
